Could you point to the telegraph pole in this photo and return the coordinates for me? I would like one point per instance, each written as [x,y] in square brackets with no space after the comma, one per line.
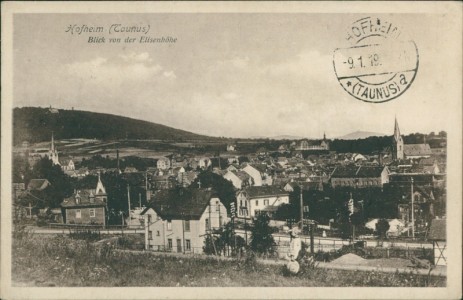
[302,212]
[128,197]
[413,212]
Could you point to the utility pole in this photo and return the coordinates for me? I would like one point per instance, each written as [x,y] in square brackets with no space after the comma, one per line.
[139,200]
[302,212]
[413,212]
[128,200]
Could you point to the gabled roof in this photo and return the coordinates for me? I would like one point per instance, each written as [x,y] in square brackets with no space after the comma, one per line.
[351,171]
[241,175]
[369,171]
[264,191]
[182,203]
[259,167]
[86,198]
[417,149]
[437,230]
[38,184]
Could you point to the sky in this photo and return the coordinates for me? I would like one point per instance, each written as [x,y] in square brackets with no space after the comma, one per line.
[232,75]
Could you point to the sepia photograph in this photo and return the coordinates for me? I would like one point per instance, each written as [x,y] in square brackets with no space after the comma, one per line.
[289,150]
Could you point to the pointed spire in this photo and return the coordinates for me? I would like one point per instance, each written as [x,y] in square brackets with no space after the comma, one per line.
[100,189]
[396,130]
[324,136]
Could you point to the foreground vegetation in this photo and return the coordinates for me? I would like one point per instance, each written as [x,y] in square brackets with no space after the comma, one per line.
[62,261]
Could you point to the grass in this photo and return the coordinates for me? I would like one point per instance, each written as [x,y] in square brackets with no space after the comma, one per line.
[62,261]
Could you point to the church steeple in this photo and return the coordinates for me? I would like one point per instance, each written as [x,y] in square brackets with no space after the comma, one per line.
[100,189]
[53,153]
[397,143]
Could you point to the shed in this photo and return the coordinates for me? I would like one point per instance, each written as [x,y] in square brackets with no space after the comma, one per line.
[437,234]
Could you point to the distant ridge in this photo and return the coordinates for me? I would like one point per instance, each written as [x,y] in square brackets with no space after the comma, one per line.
[35,124]
[359,135]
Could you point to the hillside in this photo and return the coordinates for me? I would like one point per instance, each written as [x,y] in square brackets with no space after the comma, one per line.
[359,135]
[35,124]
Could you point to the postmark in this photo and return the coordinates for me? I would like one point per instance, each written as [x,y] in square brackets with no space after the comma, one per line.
[379,65]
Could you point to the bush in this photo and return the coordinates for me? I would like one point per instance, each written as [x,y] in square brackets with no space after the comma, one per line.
[85,234]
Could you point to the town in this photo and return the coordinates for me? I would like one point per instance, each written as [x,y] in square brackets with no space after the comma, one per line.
[214,200]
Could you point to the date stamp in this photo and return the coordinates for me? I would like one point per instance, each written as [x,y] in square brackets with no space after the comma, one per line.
[379,66]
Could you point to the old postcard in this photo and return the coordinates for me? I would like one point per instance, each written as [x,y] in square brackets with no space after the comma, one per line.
[231,150]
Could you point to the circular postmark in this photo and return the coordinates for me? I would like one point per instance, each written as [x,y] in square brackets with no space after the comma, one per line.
[379,66]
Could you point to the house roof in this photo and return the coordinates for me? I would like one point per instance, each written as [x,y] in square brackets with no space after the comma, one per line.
[241,175]
[369,171]
[264,191]
[183,203]
[86,199]
[38,184]
[259,167]
[417,149]
[437,230]
[351,171]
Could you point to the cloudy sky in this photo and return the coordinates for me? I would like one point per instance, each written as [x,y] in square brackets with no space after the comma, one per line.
[233,75]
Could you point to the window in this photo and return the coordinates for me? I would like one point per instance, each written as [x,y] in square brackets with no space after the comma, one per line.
[169,244]
[257,202]
[92,213]
[169,225]
[158,233]
[150,235]
[217,206]
[241,203]
[78,214]
[266,202]
[188,245]
[207,224]
[149,219]
[187,225]
[220,221]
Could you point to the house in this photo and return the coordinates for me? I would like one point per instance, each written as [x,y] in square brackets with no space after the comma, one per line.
[135,219]
[231,147]
[178,220]
[359,176]
[163,163]
[87,206]
[204,162]
[38,184]
[306,186]
[305,145]
[414,151]
[67,164]
[256,199]
[239,179]
[259,174]
[437,234]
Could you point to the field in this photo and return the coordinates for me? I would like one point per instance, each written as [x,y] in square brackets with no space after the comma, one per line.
[43,260]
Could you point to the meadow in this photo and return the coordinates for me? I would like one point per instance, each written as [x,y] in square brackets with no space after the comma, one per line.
[59,260]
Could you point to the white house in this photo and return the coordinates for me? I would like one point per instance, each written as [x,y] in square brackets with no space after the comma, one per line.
[179,220]
[259,174]
[239,179]
[163,163]
[256,199]
[204,162]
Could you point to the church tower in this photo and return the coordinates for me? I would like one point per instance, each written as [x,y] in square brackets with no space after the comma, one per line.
[397,143]
[100,191]
[53,153]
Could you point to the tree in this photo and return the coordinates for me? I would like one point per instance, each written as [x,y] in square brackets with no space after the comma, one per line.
[60,184]
[261,235]
[382,227]
[223,187]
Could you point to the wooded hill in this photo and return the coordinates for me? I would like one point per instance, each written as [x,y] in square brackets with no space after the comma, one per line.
[35,124]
